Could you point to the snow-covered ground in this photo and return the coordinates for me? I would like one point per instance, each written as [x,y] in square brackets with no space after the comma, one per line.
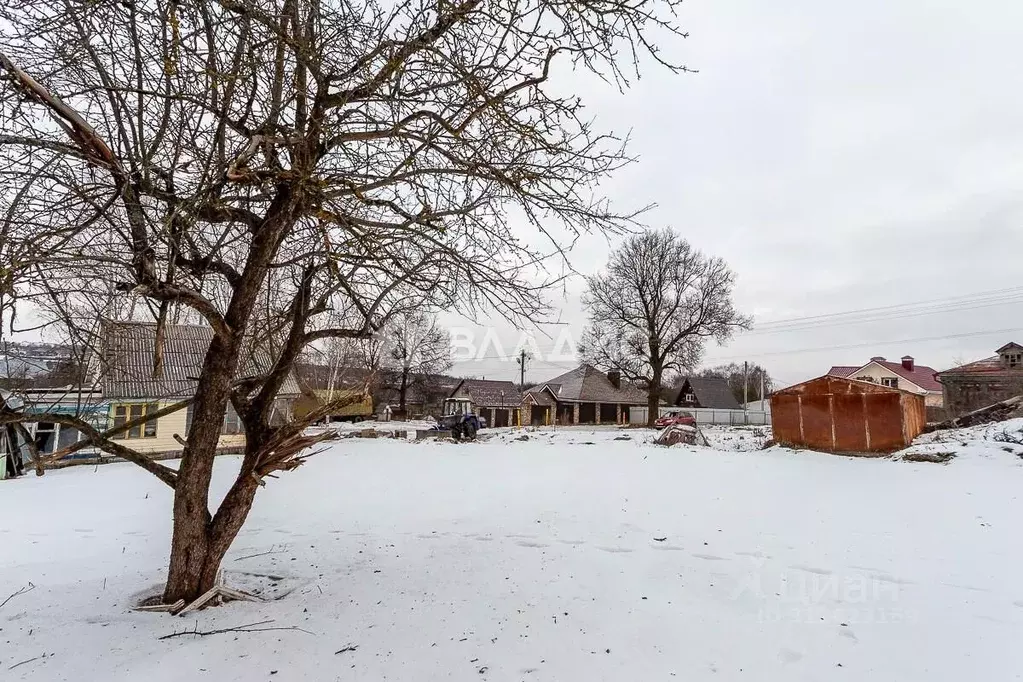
[580,554]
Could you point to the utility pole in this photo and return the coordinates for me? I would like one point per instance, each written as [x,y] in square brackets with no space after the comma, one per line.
[762,390]
[745,391]
[522,369]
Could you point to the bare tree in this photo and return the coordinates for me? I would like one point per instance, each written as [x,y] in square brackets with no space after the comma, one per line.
[416,347]
[653,309]
[268,167]
[744,381]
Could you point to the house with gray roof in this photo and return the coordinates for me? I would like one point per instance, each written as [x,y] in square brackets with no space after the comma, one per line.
[705,392]
[584,395]
[495,401]
[124,382]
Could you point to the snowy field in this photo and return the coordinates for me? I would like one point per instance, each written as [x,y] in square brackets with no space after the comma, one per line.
[585,554]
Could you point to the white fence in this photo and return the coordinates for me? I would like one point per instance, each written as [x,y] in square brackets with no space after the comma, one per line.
[637,415]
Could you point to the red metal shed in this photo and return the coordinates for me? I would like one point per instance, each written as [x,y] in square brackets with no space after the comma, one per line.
[834,414]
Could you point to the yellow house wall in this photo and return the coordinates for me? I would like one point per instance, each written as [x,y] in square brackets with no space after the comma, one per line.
[166,427]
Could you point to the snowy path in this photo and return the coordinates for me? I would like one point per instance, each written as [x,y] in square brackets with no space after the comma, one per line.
[540,560]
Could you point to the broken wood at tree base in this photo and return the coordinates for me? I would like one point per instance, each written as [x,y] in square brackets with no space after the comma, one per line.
[216,594]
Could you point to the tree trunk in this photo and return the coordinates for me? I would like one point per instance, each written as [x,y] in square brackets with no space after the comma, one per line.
[204,542]
[190,572]
[653,404]
[653,396]
[403,391]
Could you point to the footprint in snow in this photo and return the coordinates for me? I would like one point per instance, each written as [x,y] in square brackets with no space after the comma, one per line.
[710,557]
[789,656]
[574,543]
[615,550]
[530,543]
[811,569]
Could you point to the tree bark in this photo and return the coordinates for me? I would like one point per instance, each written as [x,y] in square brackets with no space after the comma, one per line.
[403,391]
[653,404]
[188,575]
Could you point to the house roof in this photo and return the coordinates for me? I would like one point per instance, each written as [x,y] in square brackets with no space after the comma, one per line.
[712,392]
[488,393]
[539,396]
[127,360]
[319,377]
[586,384]
[1012,345]
[922,376]
[991,365]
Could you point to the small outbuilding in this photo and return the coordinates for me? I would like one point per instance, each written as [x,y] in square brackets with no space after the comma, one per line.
[836,414]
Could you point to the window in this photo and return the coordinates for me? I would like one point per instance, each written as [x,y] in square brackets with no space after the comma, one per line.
[690,397]
[1013,360]
[127,413]
[68,435]
[890,382]
[232,422]
[45,437]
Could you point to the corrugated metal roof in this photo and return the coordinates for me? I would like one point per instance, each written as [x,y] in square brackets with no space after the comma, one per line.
[587,384]
[127,364]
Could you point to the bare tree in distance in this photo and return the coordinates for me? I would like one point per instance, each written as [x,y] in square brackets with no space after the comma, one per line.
[288,172]
[416,347]
[742,381]
[654,307]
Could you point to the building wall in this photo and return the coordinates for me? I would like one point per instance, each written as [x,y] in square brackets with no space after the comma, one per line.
[968,393]
[876,372]
[166,427]
[837,415]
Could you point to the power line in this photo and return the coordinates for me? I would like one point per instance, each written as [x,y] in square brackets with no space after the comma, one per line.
[988,332]
[947,302]
[892,315]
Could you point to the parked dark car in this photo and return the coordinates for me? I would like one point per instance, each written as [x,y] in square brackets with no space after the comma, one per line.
[674,417]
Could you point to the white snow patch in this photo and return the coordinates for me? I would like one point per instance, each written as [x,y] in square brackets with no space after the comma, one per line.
[568,556]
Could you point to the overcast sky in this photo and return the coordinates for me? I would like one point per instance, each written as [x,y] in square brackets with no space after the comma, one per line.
[839,156]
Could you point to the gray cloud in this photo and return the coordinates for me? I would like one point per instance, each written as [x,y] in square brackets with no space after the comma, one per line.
[840,156]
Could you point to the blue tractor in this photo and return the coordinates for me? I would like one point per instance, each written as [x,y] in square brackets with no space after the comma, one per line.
[462,426]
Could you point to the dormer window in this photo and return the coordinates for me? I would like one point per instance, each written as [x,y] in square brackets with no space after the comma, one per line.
[1012,360]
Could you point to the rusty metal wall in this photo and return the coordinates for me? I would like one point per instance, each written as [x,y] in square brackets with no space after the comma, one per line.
[914,415]
[851,432]
[884,421]
[785,418]
[838,415]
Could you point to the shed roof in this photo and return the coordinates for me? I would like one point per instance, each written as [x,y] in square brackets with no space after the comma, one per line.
[834,384]
[128,349]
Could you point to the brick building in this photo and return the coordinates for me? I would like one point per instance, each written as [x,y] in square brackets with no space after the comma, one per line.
[984,382]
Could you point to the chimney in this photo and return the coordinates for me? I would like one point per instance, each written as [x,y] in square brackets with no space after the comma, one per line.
[615,377]
[877,358]
[907,362]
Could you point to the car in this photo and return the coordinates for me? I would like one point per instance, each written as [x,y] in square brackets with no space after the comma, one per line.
[673,417]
